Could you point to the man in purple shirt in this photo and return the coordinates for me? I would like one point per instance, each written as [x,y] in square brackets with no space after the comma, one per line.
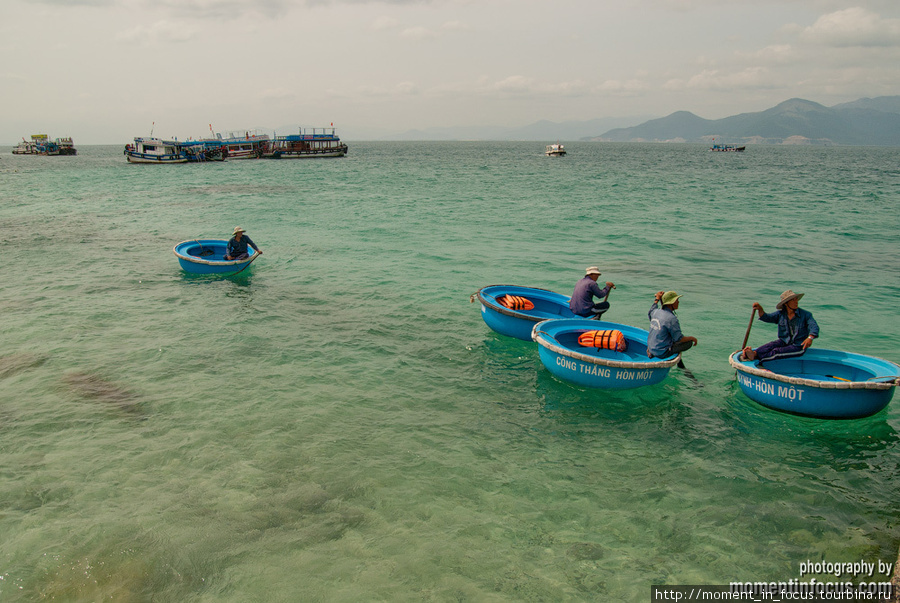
[582,301]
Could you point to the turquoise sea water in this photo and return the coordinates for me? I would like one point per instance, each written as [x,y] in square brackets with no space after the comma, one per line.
[338,423]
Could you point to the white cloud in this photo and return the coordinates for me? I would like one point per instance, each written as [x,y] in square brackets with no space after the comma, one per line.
[383,23]
[853,27]
[417,33]
[714,79]
[161,31]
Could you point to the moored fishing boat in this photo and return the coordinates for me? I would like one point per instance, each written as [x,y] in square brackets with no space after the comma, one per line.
[308,143]
[555,150]
[40,144]
[155,150]
[728,148]
[245,146]
[605,362]
[207,256]
[827,384]
[507,315]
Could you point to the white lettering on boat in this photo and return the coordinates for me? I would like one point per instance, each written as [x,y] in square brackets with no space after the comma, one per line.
[566,363]
[633,375]
[595,370]
[790,393]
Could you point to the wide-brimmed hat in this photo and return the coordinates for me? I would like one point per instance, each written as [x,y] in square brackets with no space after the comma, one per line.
[786,297]
[669,297]
[238,229]
[592,270]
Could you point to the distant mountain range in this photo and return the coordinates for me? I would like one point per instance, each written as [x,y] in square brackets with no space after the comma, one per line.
[867,121]
[541,130]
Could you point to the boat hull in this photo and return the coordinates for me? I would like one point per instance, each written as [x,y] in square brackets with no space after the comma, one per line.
[207,256]
[821,383]
[565,358]
[519,323]
[306,154]
[135,157]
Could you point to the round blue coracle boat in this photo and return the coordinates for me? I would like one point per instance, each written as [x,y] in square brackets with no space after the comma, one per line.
[562,350]
[207,256]
[513,311]
[827,384]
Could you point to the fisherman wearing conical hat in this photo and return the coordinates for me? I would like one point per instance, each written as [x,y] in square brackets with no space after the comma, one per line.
[237,245]
[582,301]
[665,337]
[796,330]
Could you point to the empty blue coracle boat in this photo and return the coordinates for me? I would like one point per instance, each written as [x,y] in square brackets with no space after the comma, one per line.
[561,346]
[207,256]
[828,384]
[512,310]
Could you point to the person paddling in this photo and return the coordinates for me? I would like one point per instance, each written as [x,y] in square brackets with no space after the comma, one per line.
[796,330]
[582,301]
[237,245]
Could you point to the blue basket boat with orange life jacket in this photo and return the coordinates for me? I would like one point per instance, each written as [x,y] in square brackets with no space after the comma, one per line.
[595,353]
[827,384]
[207,256]
[513,311]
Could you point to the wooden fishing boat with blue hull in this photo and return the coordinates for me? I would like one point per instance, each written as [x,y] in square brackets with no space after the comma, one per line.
[826,384]
[519,323]
[567,359]
[207,256]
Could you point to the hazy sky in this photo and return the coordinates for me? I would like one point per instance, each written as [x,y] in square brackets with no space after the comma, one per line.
[103,71]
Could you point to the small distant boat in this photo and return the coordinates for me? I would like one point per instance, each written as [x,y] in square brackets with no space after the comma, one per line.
[566,357]
[512,317]
[155,150]
[40,144]
[728,148]
[308,143]
[207,256]
[827,384]
[555,150]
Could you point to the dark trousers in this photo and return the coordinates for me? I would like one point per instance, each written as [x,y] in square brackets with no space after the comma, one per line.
[241,256]
[777,349]
[597,309]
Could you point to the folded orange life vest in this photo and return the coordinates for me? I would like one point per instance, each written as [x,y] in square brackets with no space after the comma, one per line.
[515,302]
[606,340]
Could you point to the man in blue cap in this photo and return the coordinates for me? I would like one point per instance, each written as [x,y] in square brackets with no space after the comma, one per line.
[666,338]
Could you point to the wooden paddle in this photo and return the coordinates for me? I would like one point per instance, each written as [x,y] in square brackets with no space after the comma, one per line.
[749,326]
[258,253]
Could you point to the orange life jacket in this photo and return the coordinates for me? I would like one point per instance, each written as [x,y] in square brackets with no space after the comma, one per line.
[606,340]
[515,302]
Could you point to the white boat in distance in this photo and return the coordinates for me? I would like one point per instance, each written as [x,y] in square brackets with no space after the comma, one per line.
[155,150]
[555,150]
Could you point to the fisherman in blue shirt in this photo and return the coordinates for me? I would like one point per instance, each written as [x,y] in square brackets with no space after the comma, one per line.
[796,330]
[665,338]
[582,300]
[237,245]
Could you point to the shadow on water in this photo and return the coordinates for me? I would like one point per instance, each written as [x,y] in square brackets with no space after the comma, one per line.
[16,363]
[242,279]
[95,388]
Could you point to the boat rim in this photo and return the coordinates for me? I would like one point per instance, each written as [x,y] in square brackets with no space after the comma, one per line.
[765,374]
[503,310]
[196,260]
[557,347]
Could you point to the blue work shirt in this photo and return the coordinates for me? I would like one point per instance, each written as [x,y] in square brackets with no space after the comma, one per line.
[793,332]
[236,247]
[582,300]
[665,331]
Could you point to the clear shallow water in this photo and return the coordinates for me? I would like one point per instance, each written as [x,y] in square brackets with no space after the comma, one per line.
[338,424]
